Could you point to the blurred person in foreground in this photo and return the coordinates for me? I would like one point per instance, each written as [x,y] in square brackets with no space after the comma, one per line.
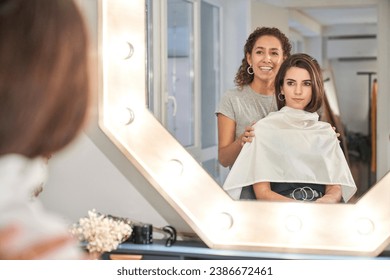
[44,99]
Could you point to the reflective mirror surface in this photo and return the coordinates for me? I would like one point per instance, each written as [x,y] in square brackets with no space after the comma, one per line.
[193,55]
[350,229]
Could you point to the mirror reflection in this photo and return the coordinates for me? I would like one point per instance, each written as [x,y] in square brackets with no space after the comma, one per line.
[195,48]
[181,181]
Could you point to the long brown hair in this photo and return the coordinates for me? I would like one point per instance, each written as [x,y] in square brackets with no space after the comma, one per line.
[242,77]
[308,63]
[44,80]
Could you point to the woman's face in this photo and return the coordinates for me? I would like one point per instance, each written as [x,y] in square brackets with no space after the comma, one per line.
[266,57]
[297,88]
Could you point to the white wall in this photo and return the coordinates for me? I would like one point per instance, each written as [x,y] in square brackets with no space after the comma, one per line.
[82,178]
[263,14]
[234,21]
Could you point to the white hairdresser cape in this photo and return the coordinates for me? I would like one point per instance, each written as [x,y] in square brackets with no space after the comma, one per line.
[291,145]
[19,177]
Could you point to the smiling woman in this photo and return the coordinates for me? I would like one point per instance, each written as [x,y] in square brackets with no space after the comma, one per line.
[253,97]
[356,229]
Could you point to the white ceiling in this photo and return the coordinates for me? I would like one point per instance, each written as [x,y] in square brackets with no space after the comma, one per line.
[342,15]
[316,17]
[332,12]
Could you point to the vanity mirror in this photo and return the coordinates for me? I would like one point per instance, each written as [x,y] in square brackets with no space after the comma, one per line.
[351,229]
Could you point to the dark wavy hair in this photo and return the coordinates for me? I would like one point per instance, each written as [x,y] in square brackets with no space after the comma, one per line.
[44,74]
[307,62]
[242,77]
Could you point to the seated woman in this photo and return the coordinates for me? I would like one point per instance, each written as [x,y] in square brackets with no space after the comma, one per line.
[294,156]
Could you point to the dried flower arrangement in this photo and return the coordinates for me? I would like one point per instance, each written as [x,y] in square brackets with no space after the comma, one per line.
[101,232]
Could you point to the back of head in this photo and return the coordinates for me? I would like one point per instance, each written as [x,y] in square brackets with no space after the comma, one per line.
[44,80]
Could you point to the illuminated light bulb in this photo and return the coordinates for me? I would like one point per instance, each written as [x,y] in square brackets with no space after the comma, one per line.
[124,116]
[365,226]
[293,223]
[170,173]
[174,168]
[120,50]
[223,221]
[129,51]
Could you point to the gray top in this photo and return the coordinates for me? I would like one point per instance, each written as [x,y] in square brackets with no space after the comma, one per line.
[245,107]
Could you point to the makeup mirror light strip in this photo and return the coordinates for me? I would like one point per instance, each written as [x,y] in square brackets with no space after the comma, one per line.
[361,229]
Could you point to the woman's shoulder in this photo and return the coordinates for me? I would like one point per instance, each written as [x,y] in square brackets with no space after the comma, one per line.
[235,91]
[244,94]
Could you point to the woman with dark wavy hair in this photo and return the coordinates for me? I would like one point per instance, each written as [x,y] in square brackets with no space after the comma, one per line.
[44,97]
[253,98]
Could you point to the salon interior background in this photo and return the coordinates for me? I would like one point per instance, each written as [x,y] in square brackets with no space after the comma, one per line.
[83,177]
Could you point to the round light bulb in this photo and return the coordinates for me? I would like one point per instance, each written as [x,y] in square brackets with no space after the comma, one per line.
[124,116]
[174,168]
[293,223]
[365,226]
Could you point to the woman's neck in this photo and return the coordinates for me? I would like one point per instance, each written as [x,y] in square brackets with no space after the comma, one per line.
[262,87]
